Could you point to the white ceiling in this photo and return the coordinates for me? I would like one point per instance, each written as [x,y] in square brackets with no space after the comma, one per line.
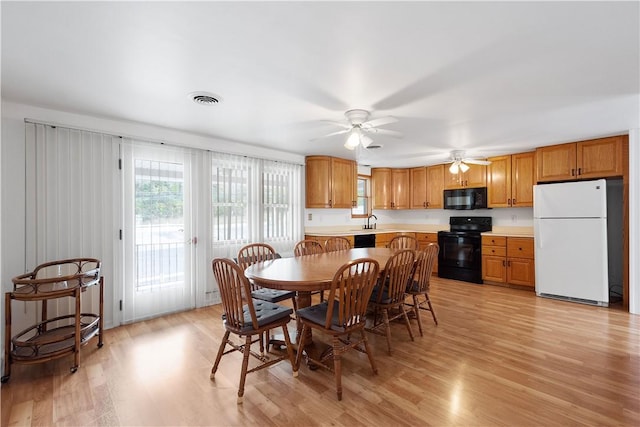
[490,78]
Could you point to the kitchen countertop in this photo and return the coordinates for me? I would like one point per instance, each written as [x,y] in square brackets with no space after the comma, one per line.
[411,228]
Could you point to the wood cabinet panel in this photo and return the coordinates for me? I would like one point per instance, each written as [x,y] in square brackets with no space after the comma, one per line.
[476,176]
[423,240]
[494,269]
[510,180]
[596,158]
[330,182]
[418,177]
[508,260]
[600,158]
[523,178]
[521,271]
[390,188]
[435,187]
[318,179]
[400,180]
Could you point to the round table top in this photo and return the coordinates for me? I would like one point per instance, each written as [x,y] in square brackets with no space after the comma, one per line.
[310,272]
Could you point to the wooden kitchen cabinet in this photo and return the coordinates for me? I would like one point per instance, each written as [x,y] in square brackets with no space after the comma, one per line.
[330,182]
[427,185]
[508,260]
[595,158]
[390,188]
[510,180]
[418,178]
[435,187]
[423,240]
[475,177]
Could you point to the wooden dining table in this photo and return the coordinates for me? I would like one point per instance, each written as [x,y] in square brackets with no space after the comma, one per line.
[309,273]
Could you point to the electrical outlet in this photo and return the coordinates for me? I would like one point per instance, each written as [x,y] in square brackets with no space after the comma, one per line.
[310,216]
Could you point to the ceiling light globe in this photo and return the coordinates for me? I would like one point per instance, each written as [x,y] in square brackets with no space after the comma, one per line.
[464,167]
[353,140]
[453,168]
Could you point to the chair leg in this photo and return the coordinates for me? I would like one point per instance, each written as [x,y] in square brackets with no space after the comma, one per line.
[245,365]
[406,321]
[416,311]
[387,327]
[337,367]
[433,313]
[287,340]
[369,352]
[219,355]
[301,342]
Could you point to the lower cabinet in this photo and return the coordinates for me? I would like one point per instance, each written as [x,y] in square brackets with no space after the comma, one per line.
[508,260]
[323,239]
[424,239]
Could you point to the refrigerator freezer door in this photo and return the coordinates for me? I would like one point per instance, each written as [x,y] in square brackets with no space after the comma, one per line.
[585,199]
[571,259]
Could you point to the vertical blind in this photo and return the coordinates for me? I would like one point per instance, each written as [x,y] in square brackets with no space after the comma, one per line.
[72,200]
[254,200]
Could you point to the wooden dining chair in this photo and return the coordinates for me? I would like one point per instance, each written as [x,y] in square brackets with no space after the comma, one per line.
[260,252]
[247,318]
[343,316]
[404,242]
[419,283]
[389,294]
[337,243]
[309,247]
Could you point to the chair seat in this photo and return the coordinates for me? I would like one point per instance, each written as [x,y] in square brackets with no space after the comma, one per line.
[272,295]
[385,296]
[266,312]
[318,314]
[414,288]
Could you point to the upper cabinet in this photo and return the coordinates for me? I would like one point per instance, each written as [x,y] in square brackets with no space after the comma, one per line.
[330,182]
[390,188]
[595,158]
[510,180]
[427,184]
[476,176]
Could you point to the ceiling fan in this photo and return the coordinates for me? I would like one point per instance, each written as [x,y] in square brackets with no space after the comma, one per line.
[460,163]
[359,127]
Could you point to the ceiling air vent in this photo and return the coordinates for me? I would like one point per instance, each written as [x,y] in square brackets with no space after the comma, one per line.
[374,146]
[205,98]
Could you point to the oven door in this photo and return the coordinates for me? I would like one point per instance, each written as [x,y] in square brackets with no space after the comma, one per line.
[460,257]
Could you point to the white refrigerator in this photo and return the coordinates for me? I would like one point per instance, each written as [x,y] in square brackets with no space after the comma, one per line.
[570,234]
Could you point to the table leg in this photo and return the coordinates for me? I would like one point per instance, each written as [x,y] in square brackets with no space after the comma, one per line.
[303,300]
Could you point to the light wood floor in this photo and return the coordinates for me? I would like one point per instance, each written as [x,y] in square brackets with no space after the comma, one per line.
[498,357]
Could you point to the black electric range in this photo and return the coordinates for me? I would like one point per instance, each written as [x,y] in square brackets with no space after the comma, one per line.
[460,254]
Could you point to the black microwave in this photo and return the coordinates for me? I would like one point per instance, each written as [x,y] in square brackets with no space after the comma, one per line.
[466,198]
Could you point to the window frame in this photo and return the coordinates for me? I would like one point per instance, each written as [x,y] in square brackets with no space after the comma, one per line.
[366,197]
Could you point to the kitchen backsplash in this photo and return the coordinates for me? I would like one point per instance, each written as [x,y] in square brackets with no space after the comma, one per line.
[503,217]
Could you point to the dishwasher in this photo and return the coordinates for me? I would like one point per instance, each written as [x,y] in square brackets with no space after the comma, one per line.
[364,241]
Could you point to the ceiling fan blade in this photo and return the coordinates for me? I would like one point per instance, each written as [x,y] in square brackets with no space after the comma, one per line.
[341,124]
[477,162]
[387,132]
[379,122]
[339,132]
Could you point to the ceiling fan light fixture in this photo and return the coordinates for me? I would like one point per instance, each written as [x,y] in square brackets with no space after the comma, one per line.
[353,140]
[463,167]
[454,167]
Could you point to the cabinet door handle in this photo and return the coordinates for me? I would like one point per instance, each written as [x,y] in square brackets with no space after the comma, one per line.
[330,204]
[579,171]
[514,201]
[504,263]
[508,202]
[428,204]
[424,204]
[508,263]
[573,172]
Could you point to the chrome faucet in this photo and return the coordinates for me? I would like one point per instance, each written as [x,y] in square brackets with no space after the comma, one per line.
[368,226]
